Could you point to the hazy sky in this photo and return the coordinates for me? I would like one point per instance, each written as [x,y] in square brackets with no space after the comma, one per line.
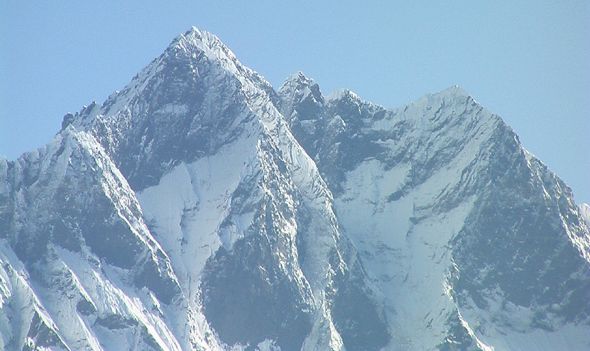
[528,61]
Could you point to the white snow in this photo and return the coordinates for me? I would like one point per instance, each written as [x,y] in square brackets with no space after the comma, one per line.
[585,212]
[185,211]
[187,207]
[517,333]
[405,243]
[408,261]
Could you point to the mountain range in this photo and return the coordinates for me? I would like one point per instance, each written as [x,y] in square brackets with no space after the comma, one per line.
[199,208]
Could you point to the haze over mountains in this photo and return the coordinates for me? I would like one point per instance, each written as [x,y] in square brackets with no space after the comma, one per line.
[199,208]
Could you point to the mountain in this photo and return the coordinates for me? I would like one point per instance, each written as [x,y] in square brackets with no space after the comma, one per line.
[473,242]
[200,209]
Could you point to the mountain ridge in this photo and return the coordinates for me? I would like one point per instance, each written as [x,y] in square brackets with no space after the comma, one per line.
[369,120]
[329,223]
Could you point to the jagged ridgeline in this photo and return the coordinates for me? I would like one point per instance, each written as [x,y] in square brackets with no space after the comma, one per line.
[198,208]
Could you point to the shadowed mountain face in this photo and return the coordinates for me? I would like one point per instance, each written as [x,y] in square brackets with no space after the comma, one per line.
[198,209]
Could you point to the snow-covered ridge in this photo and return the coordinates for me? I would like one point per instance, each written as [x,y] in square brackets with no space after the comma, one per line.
[198,209]
[408,182]
[73,215]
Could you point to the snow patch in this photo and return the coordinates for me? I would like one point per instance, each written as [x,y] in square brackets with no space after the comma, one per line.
[585,212]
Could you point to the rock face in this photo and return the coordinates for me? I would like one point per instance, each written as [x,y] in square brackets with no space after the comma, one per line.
[198,209]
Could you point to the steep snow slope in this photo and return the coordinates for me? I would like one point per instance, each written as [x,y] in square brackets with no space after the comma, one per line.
[472,242]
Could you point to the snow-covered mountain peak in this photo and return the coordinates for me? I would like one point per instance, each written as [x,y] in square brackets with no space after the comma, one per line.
[303,92]
[196,41]
[346,99]
[342,94]
[297,80]
[190,64]
[449,96]
[430,175]
[453,90]
[186,103]
[298,84]
[200,209]
[449,108]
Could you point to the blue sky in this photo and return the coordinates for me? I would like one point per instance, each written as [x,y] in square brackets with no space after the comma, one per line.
[528,61]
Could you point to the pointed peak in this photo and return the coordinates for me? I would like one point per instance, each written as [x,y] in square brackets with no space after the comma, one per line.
[297,81]
[298,90]
[194,29]
[299,76]
[344,94]
[196,34]
[197,40]
[453,94]
[298,84]
[453,91]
